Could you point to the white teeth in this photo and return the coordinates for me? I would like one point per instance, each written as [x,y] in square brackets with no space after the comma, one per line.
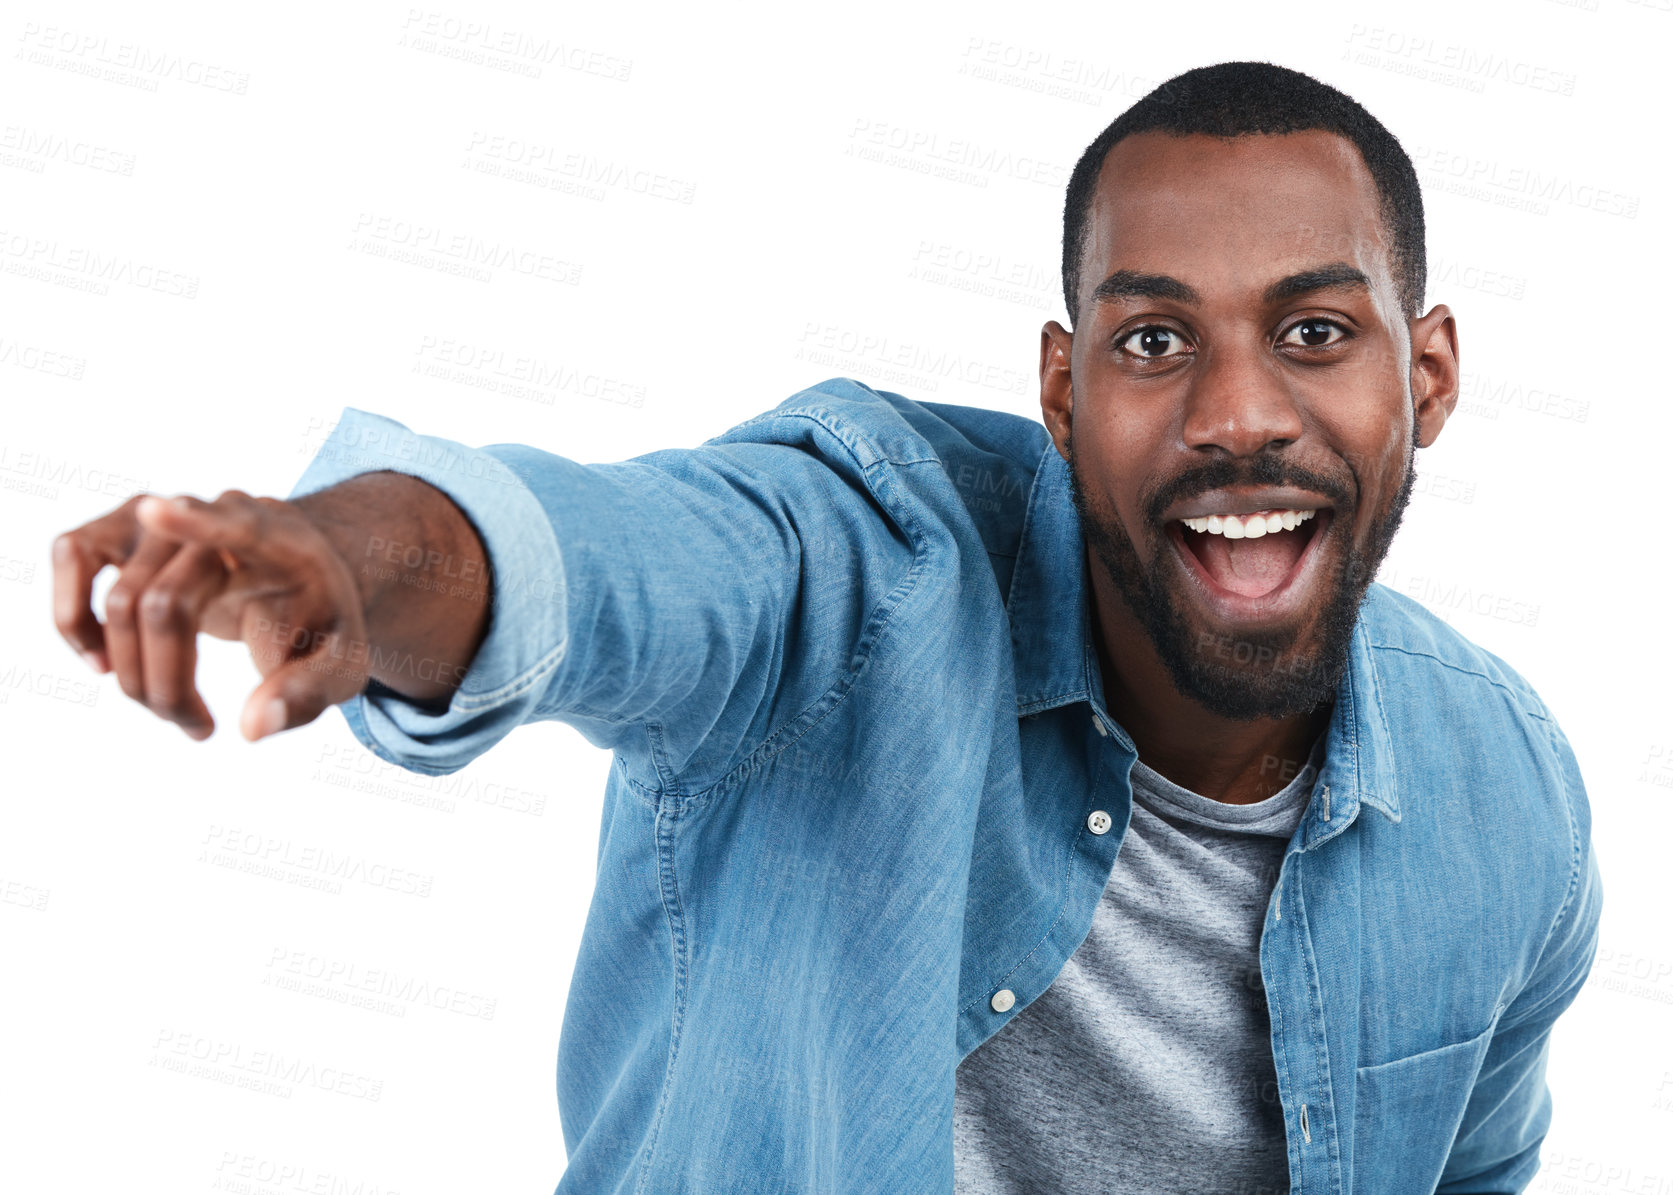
[1251,526]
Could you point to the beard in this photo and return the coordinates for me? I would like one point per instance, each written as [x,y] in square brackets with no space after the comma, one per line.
[1274,673]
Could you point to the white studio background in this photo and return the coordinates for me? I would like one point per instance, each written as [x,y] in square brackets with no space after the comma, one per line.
[216,230]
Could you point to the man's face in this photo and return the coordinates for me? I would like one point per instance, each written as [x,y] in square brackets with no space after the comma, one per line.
[1241,365]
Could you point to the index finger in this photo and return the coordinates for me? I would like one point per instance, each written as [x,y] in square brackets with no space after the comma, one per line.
[235,524]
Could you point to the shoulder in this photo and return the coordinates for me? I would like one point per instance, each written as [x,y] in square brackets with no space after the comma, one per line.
[972,469]
[1412,645]
[881,425]
[1474,739]
[1492,813]
[1463,720]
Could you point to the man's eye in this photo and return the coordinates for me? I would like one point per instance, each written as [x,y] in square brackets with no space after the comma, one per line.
[1314,333]
[1154,342]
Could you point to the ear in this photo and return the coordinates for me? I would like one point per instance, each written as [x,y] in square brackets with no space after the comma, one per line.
[1057,392]
[1434,377]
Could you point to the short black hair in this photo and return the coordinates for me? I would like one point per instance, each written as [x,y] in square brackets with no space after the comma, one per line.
[1233,99]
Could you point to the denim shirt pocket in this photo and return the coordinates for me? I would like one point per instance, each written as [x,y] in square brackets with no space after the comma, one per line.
[1407,1112]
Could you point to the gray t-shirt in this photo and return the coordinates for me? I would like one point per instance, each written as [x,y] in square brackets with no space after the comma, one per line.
[1146,1065]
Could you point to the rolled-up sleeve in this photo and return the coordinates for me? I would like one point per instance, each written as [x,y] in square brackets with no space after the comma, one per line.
[526,636]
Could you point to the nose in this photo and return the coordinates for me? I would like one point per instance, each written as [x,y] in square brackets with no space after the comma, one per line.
[1239,403]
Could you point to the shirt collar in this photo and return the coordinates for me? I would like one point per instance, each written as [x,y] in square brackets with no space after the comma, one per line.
[1050,626]
[1055,662]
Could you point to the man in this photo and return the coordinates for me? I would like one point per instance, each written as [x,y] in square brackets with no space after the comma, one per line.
[995,805]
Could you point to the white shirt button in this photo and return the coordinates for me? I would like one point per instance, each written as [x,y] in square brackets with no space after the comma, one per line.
[1003,999]
[1098,821]
[1099,723]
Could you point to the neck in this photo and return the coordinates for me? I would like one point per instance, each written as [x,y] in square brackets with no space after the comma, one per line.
[1227,759]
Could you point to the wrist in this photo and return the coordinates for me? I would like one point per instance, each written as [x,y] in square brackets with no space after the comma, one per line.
[324,509]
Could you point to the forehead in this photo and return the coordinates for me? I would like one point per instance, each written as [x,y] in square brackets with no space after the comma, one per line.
[1227,214]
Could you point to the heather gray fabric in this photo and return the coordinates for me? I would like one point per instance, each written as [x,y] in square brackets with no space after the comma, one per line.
[1146,1065]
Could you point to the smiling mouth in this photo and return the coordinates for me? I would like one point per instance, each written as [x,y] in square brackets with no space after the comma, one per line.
[1252,558]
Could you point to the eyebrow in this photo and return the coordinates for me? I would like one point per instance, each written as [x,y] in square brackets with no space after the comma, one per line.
[1131,284]
[1338,275]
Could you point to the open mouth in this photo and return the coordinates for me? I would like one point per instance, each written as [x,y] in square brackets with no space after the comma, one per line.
[1250,561]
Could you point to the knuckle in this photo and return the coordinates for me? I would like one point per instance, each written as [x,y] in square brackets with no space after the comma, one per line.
[241,511]
[170,706]
[162,610]
[237,503]
[120,601]
[127,512]
[125,515]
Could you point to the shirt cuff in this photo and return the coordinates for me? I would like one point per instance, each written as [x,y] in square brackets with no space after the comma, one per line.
[526,622]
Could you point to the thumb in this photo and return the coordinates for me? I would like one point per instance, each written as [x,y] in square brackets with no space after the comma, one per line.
[292,695]
[265,713]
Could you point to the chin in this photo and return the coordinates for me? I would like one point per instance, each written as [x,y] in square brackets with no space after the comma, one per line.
[1281,661]
[1244,679]
[1271,641]
[1285,664]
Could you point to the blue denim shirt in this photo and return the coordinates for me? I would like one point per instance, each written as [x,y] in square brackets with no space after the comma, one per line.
[841,655]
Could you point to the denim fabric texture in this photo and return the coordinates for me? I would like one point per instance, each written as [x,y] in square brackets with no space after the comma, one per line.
[841,655]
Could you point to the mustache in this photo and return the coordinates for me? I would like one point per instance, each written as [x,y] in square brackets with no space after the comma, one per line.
[1251,471]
